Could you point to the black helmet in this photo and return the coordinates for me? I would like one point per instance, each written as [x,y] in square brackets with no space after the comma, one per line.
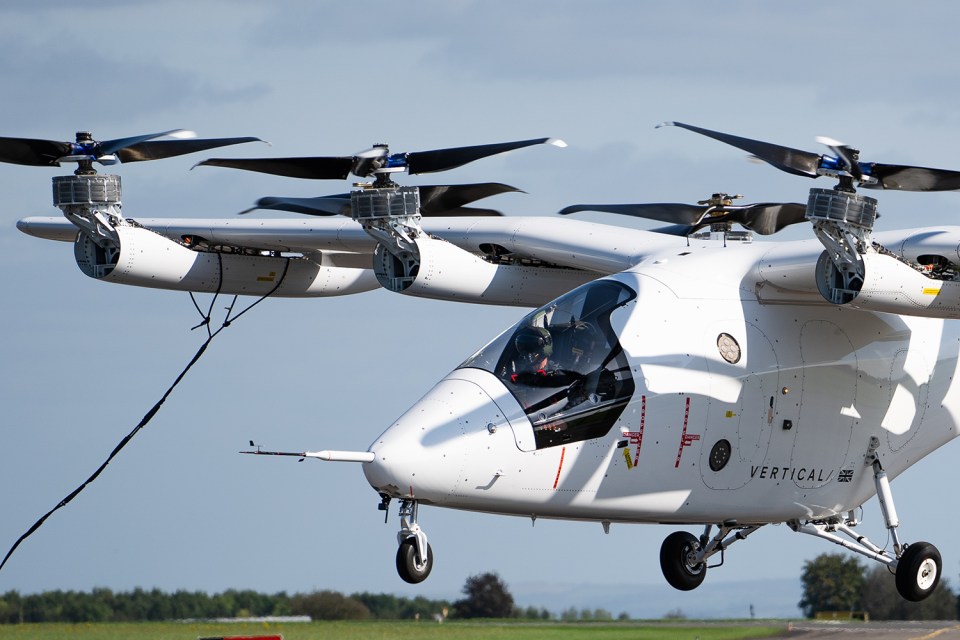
[533,341]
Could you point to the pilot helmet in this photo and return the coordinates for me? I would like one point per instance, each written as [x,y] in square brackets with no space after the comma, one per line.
[533,342]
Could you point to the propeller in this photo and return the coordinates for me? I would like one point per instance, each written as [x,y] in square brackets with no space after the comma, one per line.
[86,150]
[765,218]
[844,164]
[435,200]
[375,161]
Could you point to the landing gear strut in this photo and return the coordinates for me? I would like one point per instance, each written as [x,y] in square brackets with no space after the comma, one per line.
[415,556]
[917,566]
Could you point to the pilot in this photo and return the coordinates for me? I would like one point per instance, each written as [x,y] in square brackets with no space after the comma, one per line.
[534,346]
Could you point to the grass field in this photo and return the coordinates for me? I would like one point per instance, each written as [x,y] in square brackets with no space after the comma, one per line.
[393,631]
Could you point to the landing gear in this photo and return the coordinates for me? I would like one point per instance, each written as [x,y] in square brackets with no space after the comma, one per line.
[415,556]
[918,571]
[409,564]
[917,566]
[683,557]
[678,555]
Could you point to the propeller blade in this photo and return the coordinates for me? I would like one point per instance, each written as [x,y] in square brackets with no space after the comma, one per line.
[466,212]
[675,230]
[108,147]
[804,163]
[795,161]
[672,212]
[322,206]
[441,200]
[435,200]
[159,149]
[907,178]
[33,152]
[764,218]
[314,168]
[443,159]
[769,217]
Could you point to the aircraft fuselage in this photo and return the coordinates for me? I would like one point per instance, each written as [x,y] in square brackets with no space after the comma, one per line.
[701,404]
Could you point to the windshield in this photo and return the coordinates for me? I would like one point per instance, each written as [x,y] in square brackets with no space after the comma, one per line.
[564,364]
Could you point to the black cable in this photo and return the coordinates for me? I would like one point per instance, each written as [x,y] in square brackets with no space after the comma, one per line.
[153,411]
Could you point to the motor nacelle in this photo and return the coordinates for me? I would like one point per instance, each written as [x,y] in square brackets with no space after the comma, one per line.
[440,270]
[145,258]
[889,285]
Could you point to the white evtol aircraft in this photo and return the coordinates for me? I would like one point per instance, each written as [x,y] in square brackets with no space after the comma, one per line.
[686,375]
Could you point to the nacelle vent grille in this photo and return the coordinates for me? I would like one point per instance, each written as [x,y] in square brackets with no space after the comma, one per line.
[829,205]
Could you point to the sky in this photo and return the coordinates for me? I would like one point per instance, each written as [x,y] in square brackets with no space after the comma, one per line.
[82,361]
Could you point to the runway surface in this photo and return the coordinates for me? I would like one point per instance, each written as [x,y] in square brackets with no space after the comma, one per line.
[892,630]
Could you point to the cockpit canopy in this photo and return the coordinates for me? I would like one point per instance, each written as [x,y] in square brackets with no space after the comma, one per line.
[564,364]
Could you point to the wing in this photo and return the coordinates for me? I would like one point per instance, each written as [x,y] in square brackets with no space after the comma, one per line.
[523,261]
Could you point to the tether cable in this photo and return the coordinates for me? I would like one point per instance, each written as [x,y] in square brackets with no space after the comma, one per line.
[153,411]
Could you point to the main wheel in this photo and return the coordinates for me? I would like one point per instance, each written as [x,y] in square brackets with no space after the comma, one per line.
[918,571]
[676,561]
[410,566]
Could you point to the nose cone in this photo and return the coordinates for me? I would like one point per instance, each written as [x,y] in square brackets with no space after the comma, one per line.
[422,455]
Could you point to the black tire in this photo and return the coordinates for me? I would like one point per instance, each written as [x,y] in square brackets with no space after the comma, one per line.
[409,566]
[918,571]
[675,562]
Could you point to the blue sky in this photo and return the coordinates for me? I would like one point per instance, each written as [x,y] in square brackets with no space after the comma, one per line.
[82,361]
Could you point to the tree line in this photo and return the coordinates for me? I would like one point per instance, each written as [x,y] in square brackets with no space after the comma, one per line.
[105,605]
[485,596]
[837,582]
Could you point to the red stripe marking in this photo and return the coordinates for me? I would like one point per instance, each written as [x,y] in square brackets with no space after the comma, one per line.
[685,440]
[643,418]
[556,480]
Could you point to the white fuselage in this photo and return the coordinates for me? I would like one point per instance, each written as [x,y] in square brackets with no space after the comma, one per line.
[801,392]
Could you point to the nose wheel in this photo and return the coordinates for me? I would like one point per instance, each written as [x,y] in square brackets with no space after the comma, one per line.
[415,556]
[411,566]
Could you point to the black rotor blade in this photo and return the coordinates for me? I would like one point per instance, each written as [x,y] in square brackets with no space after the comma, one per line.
[107,147]
[314,168]
[159,149]
[322,206]
[466,212]
[672,212]
[765,218]
[443,159]
[675,230]
[795,161]
[907,178]
[440,200]
[33,152]
[435,200]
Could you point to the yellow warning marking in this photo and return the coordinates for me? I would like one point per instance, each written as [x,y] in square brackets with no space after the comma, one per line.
[626,456]
[267,278]
[730,414]
[931,291]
